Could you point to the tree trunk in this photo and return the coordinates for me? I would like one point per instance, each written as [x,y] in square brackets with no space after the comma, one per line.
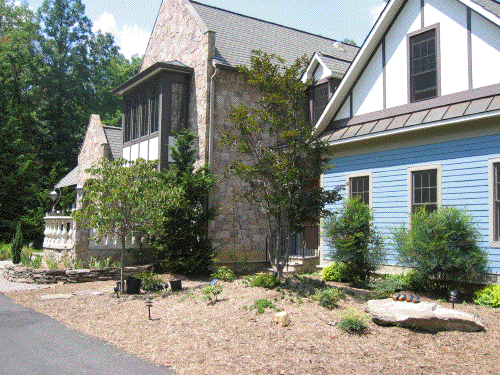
[121,264]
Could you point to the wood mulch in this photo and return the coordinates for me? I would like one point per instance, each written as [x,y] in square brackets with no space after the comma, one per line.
[229,337]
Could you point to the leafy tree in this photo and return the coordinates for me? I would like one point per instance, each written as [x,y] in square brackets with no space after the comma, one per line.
[352,42]
[355,241]
[126,199]
[281,159]
[184,240]
[441,246]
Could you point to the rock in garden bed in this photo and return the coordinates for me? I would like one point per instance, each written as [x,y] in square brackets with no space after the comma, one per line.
[424,315]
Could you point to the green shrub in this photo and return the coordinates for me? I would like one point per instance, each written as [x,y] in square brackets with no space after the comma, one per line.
[224,273]
[5,251]
[441,246]
[30,260]
[329,297]
[354,240]
[265,280]
[151,282]
[488,296]
[335,271]
[17,245]
[51,263]
[352,321]
[262,304]
[211,292]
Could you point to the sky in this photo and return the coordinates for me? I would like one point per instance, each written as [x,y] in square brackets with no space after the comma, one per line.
[132,21]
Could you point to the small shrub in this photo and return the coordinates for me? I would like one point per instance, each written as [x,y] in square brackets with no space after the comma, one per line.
[189,295]
[265,280]
[5,251]
[441,246]
[329,298]
[28,259]
[151,282]
[51,263]
[353,321]
[262,304]
[488,296]
[335,271]
[354,240]
[211,292]
[224,273]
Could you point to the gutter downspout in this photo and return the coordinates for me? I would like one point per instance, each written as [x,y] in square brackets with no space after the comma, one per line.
[211,116]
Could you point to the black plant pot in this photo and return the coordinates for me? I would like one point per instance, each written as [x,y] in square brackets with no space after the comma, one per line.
[175,285]
[133,285]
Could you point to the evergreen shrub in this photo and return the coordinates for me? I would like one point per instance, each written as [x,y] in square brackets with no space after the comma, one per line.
[335,271]
[17,245]
[488,296]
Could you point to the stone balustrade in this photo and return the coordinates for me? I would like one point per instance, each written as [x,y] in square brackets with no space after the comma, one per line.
[59,232]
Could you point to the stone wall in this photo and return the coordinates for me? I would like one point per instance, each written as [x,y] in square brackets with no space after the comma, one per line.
[21,274]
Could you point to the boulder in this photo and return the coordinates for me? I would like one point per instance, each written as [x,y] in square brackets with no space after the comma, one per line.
[282,319]
[424,315]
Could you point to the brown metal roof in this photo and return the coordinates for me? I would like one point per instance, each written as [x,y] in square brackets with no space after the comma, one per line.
[384,121]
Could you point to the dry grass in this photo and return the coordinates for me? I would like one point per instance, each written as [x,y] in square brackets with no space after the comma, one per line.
[195,337]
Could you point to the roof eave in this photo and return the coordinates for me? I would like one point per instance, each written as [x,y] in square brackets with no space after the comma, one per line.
[148,73]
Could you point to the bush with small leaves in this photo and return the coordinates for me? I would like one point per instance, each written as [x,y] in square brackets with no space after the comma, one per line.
[17,245]
[265,280]
[262,304]
[224,273]
[352,321]
[488,296]
[335,271]
[211,292]
[151,282]
[329,298]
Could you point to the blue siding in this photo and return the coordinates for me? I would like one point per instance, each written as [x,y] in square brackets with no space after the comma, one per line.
[464,183]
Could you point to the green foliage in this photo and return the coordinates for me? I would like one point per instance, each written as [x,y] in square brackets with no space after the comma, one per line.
[488,296]
[211,292]
[183,239]
[262,304]
[17,245]
[28,259]
[5,251]
[352,321]
[224,273]
[282,178]
[51,263]
[126,199]
[151,282]
[441,246]
[355,241]
[265,280]
[336,271]
[328,298]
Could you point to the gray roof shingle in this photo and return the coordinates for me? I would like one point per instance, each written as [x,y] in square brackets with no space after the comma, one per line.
[237,35]
[114,138]
[492,6]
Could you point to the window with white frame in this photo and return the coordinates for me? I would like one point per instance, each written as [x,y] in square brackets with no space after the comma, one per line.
[424,188]
[360,186]
[494,183]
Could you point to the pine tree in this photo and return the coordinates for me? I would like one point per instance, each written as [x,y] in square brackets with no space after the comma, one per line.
[17,245]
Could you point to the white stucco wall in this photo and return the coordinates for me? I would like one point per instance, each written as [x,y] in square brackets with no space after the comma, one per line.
[485,42]
[153,149]
[368,93]
[143,150]
[134,152]
[345,111]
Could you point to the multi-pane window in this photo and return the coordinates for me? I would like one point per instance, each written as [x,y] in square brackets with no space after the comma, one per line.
[141,116]
[424,190]
[423,66]
[319,97]
[178,108]
[496,202]
[360,187]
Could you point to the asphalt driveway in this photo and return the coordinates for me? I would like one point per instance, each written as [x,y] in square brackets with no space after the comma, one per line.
[35,344]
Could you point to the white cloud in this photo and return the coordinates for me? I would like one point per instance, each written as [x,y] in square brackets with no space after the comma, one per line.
[131,39]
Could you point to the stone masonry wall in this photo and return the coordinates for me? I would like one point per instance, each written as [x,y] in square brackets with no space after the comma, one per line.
[178,35]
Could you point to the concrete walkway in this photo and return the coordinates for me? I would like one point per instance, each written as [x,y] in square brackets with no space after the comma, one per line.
[8,286]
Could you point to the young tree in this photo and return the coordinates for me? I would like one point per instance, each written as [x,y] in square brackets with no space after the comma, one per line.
[126,199]
[184,239]
[281,159]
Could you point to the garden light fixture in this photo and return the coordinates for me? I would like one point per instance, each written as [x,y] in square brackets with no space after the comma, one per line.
[149,304]
[54,195]
[453,297]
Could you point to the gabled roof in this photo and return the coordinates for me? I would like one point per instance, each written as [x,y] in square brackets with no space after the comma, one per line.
[69,180]
[237,35]
[487,8]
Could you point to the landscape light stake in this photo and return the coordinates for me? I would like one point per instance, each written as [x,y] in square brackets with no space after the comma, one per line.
[149,304]
[117,289]
[453,298]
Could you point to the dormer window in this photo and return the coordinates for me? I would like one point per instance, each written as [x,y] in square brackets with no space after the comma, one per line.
[424,67]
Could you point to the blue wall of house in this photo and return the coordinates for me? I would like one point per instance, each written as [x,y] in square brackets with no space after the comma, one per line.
[464,184]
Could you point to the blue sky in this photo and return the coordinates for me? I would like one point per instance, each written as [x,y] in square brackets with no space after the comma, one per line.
[131,21]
